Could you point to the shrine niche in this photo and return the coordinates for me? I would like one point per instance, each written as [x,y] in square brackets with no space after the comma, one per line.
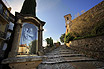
[29,39]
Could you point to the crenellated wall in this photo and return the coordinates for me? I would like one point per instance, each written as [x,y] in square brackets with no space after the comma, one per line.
[86,23]
[89,23]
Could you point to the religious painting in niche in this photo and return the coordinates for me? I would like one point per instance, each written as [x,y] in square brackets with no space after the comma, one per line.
[29,39]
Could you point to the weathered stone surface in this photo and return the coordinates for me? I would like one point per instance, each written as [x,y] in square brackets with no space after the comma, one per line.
[25,65]
[26,62]
[22,59]
[93,47]
[85,23]
[68,61]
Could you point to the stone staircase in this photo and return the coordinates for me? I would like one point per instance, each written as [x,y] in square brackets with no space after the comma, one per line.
[64,58]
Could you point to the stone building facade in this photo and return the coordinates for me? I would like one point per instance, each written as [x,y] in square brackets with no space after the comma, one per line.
[85,22]
[6,29]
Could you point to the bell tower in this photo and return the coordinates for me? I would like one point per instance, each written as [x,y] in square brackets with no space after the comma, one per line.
[29,7]
[68,22]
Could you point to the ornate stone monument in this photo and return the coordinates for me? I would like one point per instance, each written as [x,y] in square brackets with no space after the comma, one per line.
[27,40]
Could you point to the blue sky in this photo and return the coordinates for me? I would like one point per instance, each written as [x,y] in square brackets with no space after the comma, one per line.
[53,11]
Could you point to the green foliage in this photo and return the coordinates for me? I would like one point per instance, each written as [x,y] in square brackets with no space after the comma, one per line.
[87,36]
[98,29]
[32,47]
[62,38]
[68,38]
[88,26]
[29,7]
[49,41]
[58,42]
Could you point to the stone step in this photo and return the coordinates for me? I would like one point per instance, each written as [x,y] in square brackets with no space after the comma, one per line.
[63,58]
[64,55]
[56,66]
[74,65]
[80,59]
[59,53]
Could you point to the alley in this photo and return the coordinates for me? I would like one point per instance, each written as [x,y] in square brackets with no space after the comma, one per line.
[65,58]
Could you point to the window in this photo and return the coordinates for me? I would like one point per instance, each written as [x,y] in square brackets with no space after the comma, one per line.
[6,14]
[4,47]
[8,35]
[1,8]
[67,18]
[11,25]
[67,30]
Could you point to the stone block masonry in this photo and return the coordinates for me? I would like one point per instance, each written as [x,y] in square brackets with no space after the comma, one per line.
[89,23]
[65,58]
[85,23]
[92,47]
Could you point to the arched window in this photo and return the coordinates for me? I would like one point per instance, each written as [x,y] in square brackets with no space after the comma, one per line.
[67,18]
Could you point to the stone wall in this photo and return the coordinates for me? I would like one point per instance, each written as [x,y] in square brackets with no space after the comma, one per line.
[92,47]
[85,23]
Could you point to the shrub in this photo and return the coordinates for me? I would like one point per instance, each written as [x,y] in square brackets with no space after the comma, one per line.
[62,38]
[68,38]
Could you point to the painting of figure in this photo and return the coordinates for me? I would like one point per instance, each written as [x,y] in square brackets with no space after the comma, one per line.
[28,35]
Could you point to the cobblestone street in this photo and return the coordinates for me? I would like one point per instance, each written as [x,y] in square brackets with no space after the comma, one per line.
[64,58]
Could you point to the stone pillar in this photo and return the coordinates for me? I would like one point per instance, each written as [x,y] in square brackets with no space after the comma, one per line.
[40,38]
[16,40]
[41,34]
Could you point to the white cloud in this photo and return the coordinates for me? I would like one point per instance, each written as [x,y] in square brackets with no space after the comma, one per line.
[44,5]
[15,5]
[45,30]
[55,41]
[44,43]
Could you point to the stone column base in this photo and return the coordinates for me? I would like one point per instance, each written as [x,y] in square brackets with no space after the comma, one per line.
[28,62]
[25,65]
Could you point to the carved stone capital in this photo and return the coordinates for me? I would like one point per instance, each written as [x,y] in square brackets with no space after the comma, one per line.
[19,22]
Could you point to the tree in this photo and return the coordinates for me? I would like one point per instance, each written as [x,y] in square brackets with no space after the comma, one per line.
[29,7]
[68,38]
[58,42]
[32,47]
[62,38]
[49,41]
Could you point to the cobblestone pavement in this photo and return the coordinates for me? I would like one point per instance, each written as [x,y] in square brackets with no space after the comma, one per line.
[64,58]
